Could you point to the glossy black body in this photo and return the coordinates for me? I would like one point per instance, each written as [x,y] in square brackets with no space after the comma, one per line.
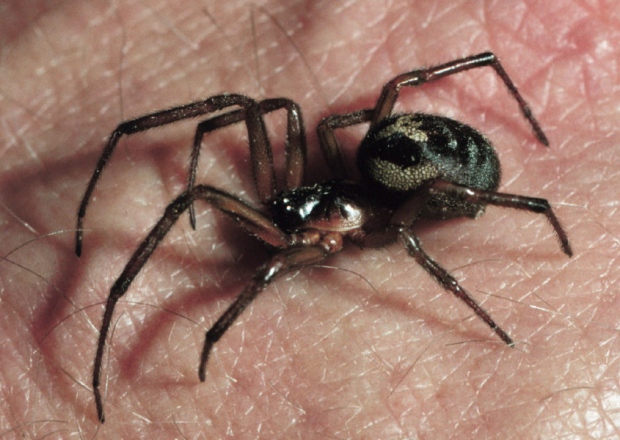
[336,205]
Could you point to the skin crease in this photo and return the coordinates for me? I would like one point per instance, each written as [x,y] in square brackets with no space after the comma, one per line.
[322,353]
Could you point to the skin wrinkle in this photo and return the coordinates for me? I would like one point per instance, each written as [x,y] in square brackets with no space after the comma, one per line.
[69,146]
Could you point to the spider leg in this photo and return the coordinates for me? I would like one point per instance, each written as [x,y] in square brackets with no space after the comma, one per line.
[400,223]
[250,219]
[410,210]
[536,205]
[327,138]
[259,142]
[448,282]
[295,148]
[389,94]
[283,262]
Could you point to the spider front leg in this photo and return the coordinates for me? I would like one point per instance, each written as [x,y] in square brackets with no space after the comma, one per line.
[259,143]
[249,218]
[261,159]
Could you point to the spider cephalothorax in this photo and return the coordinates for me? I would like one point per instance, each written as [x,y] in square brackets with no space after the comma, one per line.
[412,166]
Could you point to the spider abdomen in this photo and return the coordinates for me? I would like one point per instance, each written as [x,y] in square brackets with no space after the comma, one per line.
[402,153]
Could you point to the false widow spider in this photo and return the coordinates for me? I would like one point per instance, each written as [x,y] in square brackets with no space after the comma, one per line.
[412,166]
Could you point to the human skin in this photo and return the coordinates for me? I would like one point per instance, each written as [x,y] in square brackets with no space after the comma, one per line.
[376,350]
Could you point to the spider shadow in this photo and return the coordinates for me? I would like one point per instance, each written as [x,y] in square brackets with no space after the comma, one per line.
[192,304]
[59,302]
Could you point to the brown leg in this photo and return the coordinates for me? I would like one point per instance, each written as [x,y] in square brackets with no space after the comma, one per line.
[250,219]
[281,263]
[532,204]
[442,276]
[262,165]
[329,143]
[389,94]
[259,143]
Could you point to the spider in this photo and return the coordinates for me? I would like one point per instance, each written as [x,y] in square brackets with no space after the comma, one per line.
[411,165]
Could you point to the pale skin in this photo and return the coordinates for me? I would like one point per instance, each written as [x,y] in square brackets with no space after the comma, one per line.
[377,350]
